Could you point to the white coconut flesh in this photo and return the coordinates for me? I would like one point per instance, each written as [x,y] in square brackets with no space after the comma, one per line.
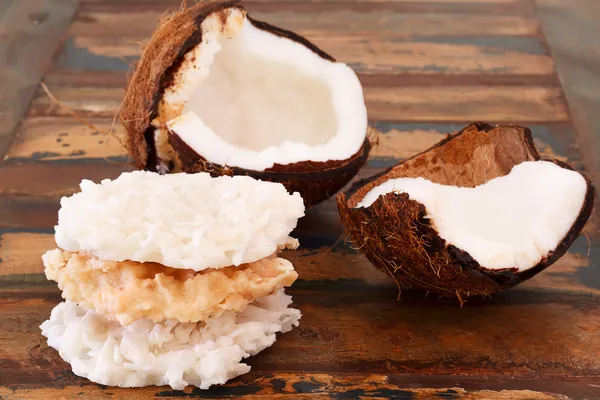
[190,221]
[512,221]
[248,98]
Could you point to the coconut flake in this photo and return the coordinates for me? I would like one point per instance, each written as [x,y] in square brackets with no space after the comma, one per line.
[167,353]
[248,98]
[190,221]
[512,221]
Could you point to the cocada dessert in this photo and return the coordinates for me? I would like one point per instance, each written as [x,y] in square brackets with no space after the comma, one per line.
[171,280]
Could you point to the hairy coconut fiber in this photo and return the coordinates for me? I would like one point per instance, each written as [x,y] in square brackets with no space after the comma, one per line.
[397,238]
[175,36]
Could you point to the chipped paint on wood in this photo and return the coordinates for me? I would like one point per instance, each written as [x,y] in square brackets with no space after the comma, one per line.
[426,55]
[287,386]
[47,139]
[464,55]
[69,141]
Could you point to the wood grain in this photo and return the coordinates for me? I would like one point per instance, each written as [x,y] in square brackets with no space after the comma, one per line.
[117,79]
[21,253]
[292,386]
[459,55]
[37,179]
[28,212]
[461,104]
[48,139]
[570,30]
[320,258]
[68,141]
[428,68]
[510,104]
[29,33]
[470,7]
[521,336]
[376,24]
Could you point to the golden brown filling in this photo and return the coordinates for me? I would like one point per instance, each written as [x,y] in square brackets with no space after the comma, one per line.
[128,290]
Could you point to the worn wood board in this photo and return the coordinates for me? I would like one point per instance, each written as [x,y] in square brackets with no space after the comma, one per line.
[428,68]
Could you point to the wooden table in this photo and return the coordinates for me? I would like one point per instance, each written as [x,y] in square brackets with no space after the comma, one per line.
[428,67]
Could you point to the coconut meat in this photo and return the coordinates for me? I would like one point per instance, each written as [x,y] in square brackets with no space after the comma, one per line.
[248,98]
[513,221]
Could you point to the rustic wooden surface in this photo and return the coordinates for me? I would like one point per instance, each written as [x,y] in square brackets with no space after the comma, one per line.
[428,67]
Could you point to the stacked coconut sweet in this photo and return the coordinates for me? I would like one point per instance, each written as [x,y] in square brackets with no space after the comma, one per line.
[174,279]
[171,280]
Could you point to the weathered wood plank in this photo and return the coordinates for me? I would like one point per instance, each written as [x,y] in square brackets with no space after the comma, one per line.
[117,79]
[395,142]
[299,386]
[401,140]
[67,78]
[571,30]
[511,104]
[377,25]
[526,105]
[175,3]
[28,212]
[519,7]
[396,1]
[48,139]
[320,258]
[30,31]
[21,253]
[458,55]
[35,179]
[85,101]
[518,334]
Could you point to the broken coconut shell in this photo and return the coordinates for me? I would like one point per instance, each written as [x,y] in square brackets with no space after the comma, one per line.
[397,235]
[144,111]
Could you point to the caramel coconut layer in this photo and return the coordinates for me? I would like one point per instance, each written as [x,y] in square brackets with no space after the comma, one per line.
[126,291]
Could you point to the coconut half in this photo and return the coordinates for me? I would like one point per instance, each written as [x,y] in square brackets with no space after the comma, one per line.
[475,214]
[218,91]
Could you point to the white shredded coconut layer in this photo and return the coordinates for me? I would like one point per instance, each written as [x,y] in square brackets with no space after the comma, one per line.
[190,221]
[507,222]
[167,353]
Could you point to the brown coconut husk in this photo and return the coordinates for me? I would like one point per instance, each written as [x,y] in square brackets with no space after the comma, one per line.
[396,237]
[315,181]
[176,35]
